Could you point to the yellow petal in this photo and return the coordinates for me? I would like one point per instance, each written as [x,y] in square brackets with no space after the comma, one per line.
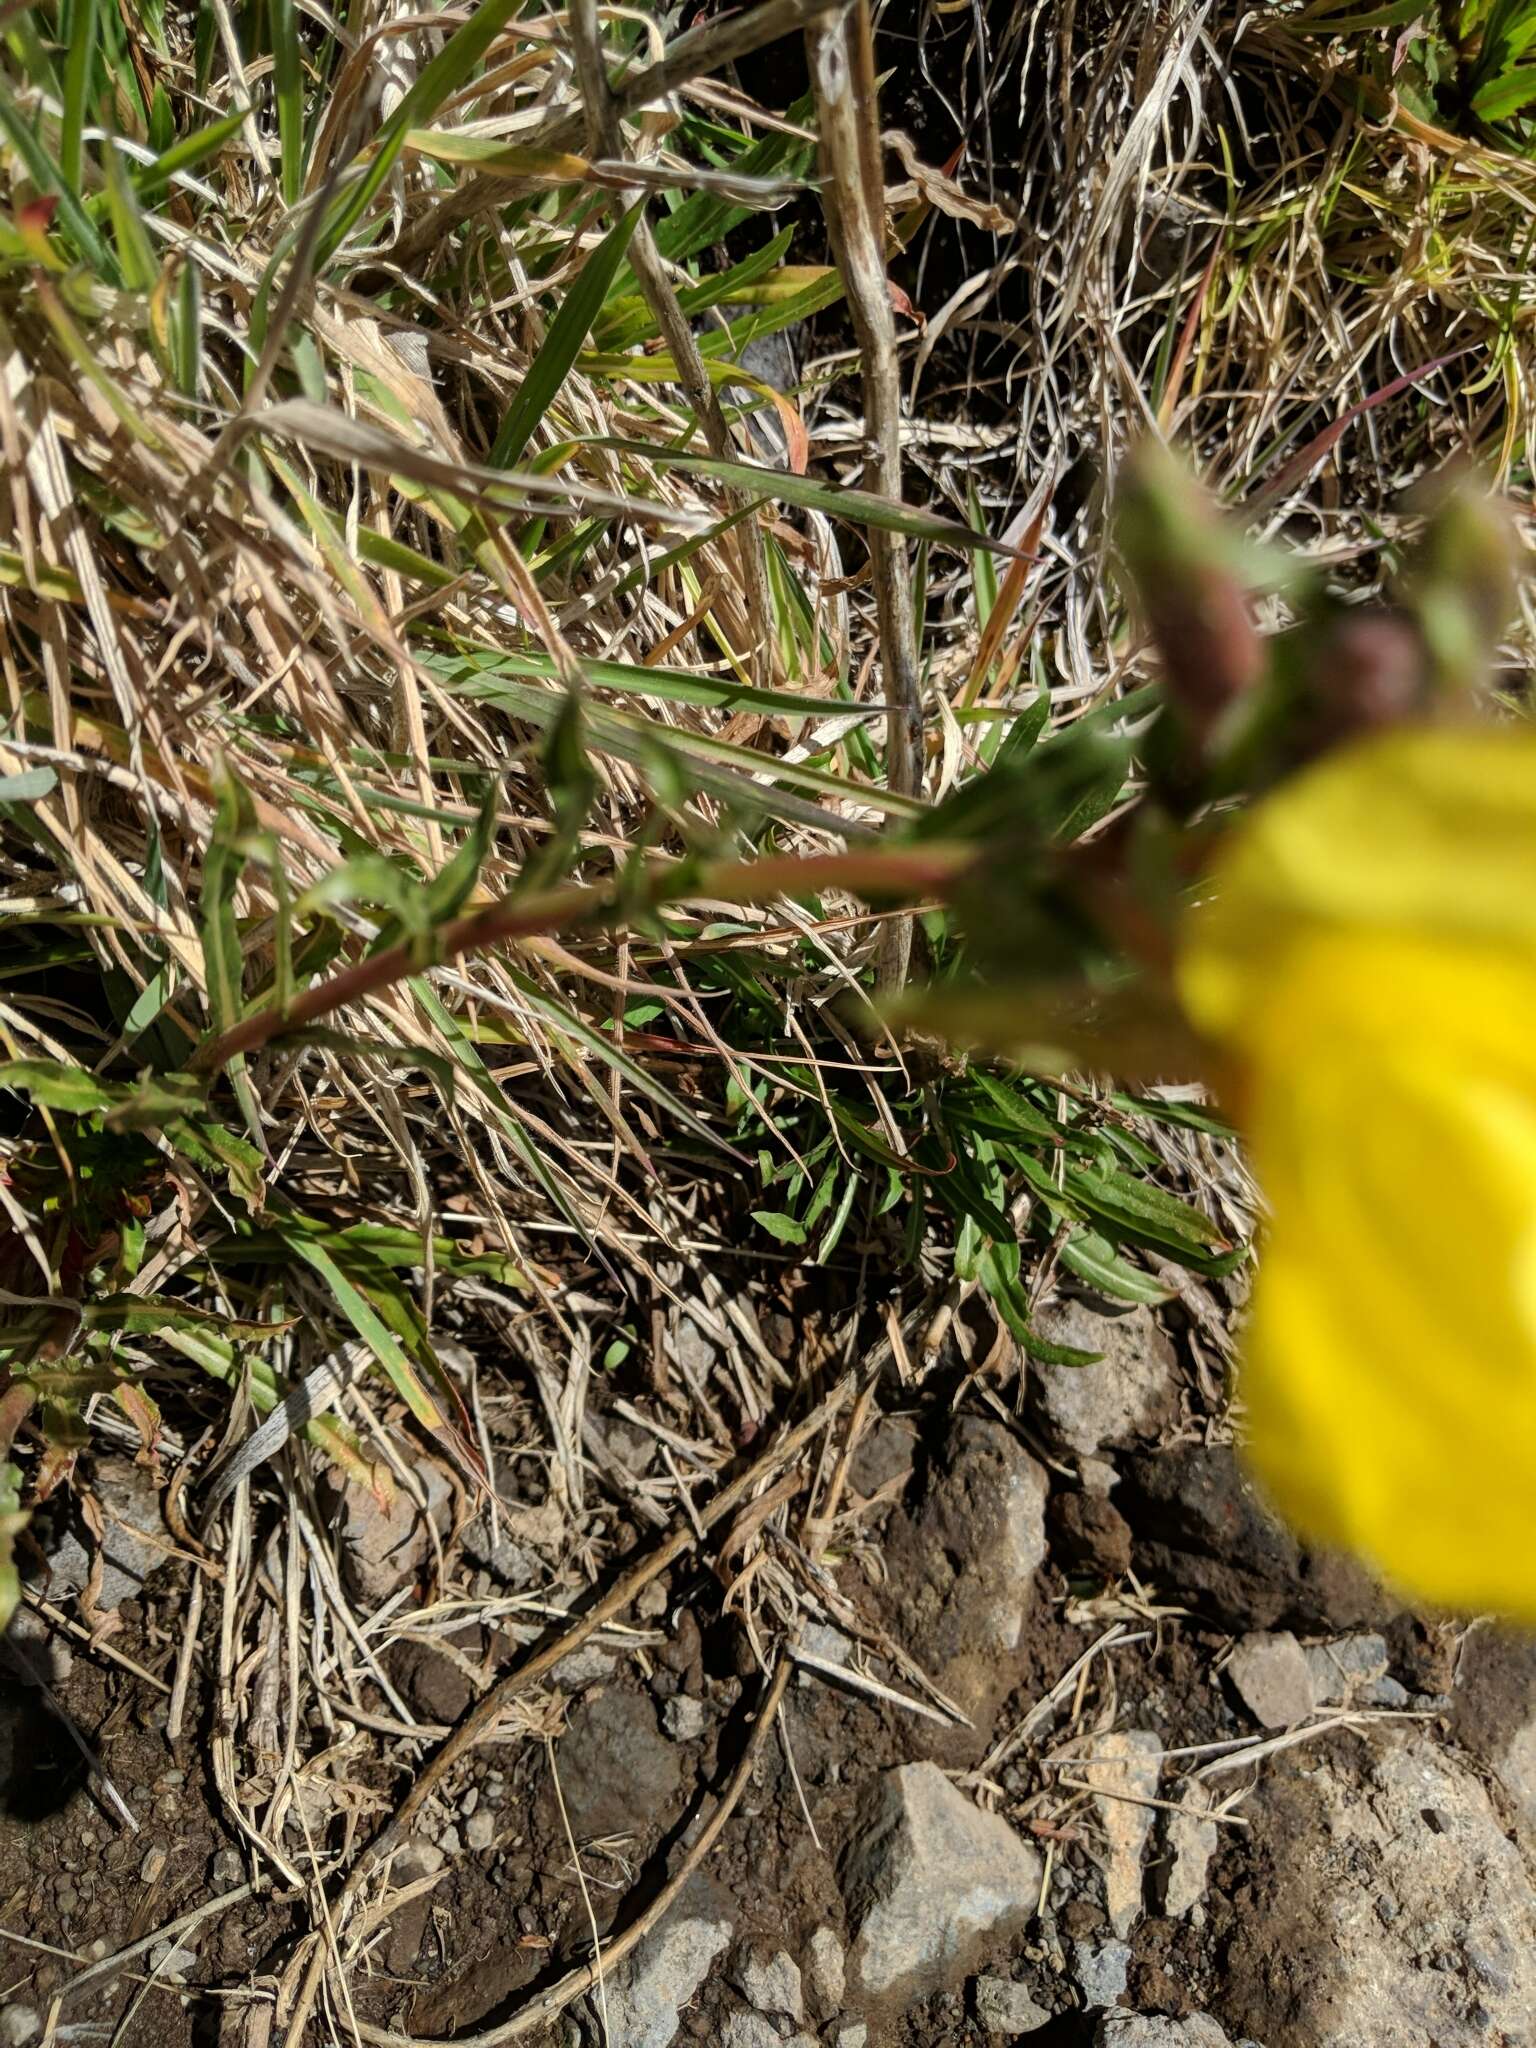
[1391,1364]
[1426,831]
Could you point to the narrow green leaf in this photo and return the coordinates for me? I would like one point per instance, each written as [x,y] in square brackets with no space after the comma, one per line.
[79,68]
[861,508]
[447,71]
[778,1225]
[580,306]
[55,1085]
[288,90]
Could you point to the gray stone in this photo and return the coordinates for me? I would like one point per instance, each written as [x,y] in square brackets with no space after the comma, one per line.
[771,1983]
[646,1993]
[1202,1526]
[1127,1397]
[480,1830]
[226,1870]
[1273,1679]
[1190,1840]
[618,1772]
[1396,1910]
[1124,1773]
[130,1512]
[171,1963]
[590,1665]
[852,2035]
[1141,2030]
[19,2024]
[1493,1713]
[1003,2007]
[751,2030]
[965,1564]
[927,1875]
[684,1718]
[1347,1669]
[383,1546]
[419,1858]
[826,1966]
[1101,1969]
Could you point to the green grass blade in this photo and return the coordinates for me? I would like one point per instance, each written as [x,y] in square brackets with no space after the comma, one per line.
[288,90]
[79,68]
[448,70]
[568,330]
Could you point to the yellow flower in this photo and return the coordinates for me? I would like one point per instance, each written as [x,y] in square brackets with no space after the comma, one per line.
[1366,962]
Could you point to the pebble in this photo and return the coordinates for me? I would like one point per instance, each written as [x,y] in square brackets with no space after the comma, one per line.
[1003,2007]
[226,1870]
[1343,1669]
[19,2024]
[1127,1396]
[751,2030]
[684,1718]
[853,2035]
[652,1603]
[646,1993]
[1101,1969]
[1127,1762]
[1139,2030]
[66,1898]
[1273,1679]
[470,1801]
[927,1875]
[480,1831]
[771,1982]
[154,1862]
[827,1968]
[1191,1841]
[449,1841]
[170,1962]
[419,1858]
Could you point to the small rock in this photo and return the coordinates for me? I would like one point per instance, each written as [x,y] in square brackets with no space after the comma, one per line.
[450,1841]
[1089,1532]
[826,1642]
[684,1718]
[1129,1395]
[1101,1969]
[383,1547]
[19,2024]
[616,1766]
[154,1862]
[170,1963]
[1127,1763]
[926,1875]
[590,1665]
[1003,2007]
[480,1831]
[1346,1668]
[826,1967]
[648,1990]
[1138,2030]
[1273,1679]
[419,1858]
[469,1802]
[1191,1843]
[130,1508]
[651,1604]
[964,1566]
[1493,1713]
[226,1870]
[771,1982]
[853,2034]
[751,2030]
[1202,1526]
[1400,1821]
[66,1898]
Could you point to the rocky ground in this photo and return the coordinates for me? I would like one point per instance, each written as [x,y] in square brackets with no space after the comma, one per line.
[1080,1746]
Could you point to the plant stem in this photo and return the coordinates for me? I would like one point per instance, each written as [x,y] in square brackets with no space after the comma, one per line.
[906,873]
